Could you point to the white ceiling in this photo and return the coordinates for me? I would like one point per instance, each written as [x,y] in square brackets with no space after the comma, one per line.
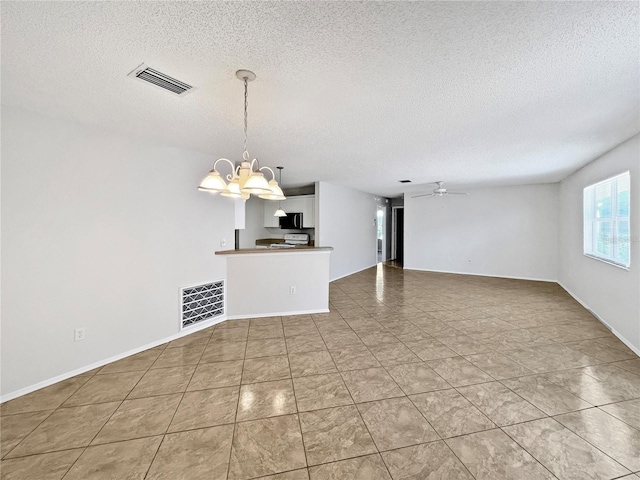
[360,94]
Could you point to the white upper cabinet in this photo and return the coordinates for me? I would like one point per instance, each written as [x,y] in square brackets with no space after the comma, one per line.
[308,211]
[305,204]
[292,205]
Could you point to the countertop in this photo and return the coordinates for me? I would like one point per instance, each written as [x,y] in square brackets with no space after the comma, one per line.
[302,248]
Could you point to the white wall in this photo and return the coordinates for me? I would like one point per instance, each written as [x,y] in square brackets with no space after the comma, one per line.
[266,291]
[503,232]
[612,293]
[99,231]
[254,223]
[346,222]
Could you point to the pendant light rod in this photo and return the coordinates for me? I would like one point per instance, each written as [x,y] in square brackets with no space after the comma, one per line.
[279,211]
[280,182]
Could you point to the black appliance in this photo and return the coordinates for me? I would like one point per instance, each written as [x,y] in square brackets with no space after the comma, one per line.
[292,221]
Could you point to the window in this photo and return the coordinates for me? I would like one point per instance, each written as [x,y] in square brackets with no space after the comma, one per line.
[606,220]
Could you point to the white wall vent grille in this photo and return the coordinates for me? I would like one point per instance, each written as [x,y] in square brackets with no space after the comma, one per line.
[161,80]
[202,302]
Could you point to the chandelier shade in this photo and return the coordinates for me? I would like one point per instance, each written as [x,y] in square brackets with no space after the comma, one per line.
[256,184]
[233,189]
[275,192]
[213,182]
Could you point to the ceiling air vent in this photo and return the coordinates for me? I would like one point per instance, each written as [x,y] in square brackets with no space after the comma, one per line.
[161,80]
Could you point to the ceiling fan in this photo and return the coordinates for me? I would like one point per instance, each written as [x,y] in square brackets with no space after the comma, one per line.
[439,191]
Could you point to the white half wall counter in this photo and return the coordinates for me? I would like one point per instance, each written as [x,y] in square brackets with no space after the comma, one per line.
[270,282]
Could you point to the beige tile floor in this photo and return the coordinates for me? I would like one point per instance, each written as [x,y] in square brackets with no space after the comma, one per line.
[411,375]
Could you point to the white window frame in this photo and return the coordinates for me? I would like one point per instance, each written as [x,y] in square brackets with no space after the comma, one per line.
[591,221]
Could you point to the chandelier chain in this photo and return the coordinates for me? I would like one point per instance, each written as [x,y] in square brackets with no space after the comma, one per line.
[245,154]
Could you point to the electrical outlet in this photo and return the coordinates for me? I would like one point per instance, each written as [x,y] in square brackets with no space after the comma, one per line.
[79,334]
[292,290]
[223,242]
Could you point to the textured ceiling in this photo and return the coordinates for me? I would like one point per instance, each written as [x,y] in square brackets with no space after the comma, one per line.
[361,94]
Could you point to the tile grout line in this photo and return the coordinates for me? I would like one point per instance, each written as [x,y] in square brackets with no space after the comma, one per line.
[28,433]
[233,433]
[590,443]
[355,405]
[528,452]
[610,414]
[456,389]
[117,408]
[164,435]
[295,398]
[73,406]
[403,391]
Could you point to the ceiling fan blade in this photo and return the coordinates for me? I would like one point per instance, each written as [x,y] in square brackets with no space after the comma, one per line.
[456,193]
[424,195]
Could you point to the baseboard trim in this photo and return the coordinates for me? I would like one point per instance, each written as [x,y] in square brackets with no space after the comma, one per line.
[631,347]
[530,279]
[101,363]
[353,273]
[183,333]
[278,314]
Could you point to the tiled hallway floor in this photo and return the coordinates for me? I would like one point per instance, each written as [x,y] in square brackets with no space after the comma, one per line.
[411,376]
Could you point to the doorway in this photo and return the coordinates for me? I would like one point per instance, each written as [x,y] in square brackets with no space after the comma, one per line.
[397,235]
[380,236]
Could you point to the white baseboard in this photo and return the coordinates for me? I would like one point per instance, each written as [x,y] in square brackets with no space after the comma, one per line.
[278,314]
[183,333]
[483,275]
[631,347]
[101,363]
[353,273]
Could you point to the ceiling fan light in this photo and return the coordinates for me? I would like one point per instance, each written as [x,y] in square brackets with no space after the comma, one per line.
[256,184]
[213,182]
[280,213]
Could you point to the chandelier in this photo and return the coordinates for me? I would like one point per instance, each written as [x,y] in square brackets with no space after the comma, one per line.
[247,178]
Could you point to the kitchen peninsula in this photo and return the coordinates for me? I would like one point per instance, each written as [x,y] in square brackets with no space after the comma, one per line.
[274,281]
